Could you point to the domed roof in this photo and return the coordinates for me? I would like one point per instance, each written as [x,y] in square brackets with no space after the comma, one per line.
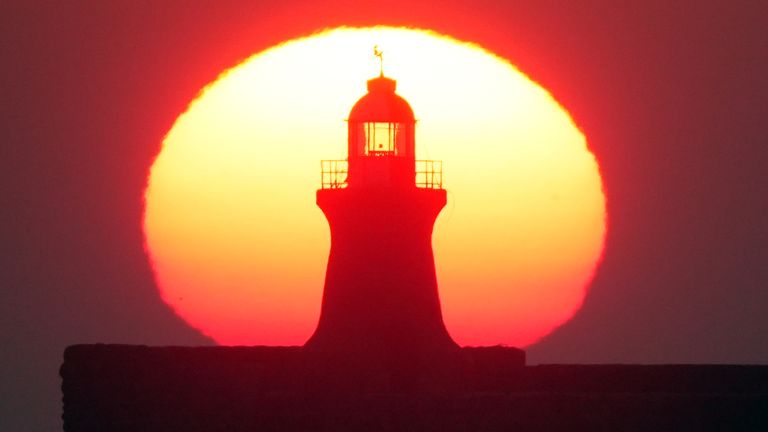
[382,104]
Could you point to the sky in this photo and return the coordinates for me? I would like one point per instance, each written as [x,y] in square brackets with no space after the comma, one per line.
[671,95]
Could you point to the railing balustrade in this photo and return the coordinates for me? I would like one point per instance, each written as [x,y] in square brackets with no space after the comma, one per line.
[334,173]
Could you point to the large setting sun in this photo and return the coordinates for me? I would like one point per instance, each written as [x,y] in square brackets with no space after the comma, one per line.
[239,246]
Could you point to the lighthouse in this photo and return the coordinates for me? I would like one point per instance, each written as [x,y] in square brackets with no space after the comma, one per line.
[380,300]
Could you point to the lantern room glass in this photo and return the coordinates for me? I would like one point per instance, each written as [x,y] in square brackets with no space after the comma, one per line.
[382,139]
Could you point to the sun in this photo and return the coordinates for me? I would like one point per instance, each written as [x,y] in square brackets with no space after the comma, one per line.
[239,247]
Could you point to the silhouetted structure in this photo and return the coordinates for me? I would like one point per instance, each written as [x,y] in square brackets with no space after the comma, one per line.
[380,303]
[381,358]
[146,389]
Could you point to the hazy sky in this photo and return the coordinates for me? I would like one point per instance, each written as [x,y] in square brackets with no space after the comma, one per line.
[671,95]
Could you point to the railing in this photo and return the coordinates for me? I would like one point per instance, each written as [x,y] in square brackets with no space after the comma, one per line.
[334,174]
[429,174]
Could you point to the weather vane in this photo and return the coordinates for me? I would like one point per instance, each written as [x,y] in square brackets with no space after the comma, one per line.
[380,54]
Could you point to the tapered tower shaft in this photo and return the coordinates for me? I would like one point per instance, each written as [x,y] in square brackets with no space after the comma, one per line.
[380,286]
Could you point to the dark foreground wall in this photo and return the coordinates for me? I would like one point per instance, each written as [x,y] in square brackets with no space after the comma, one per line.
[136,388]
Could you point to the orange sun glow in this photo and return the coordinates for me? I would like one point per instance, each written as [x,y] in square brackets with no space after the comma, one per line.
[239,247]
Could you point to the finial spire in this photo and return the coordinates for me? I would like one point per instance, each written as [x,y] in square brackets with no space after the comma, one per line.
[380,54]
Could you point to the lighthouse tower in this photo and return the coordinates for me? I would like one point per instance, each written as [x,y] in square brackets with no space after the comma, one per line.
[380,301]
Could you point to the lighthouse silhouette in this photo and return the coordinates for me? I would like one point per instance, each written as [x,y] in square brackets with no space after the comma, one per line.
[380,302]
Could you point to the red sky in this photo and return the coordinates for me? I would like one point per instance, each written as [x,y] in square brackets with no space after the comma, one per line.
[671,95]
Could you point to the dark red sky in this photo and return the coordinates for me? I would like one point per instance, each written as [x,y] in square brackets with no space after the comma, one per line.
[672,96]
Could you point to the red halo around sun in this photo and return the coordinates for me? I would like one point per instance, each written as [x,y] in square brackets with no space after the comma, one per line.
[239,248]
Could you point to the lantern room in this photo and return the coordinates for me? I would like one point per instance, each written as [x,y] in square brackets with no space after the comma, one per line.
[381,146]
[381,122]
[381,138]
